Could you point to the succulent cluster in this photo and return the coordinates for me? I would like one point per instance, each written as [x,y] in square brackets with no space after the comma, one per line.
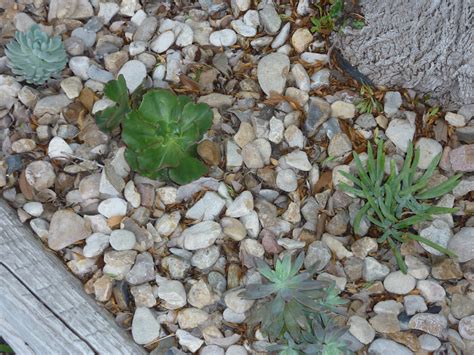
[294,308]
[36,57]
[393,203]
[160,129]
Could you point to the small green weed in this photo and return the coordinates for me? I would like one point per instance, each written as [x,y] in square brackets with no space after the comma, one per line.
[368,103]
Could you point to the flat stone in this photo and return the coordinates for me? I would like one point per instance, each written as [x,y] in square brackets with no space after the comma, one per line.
[233,228]
[188,341]
[399,283]
[385,323]
[122,239]
[223,38]
[388,307]
[431,291]
[143,270]
[414,304]
[207,208]
[243,29]
[362,247]
[336,246]
[438,232]
[190,318]
[429,342]
[201,235]
[434,324]
[168,223]
[203,259]
[455,119]
[172,293]
[462,244]
[143,295]
[95,245]
[339,145]
[400,132]
[59,149]
[237,303]
[270,19]
[319,253]
[301,39]
[163,42]
[386,346]
[145,327]
[286,180]
[342,109]
[66,228]
[134,73]
[103,288]
[242,205]
[461,306]
[361,329]
[462,158]
[373,270]
[392,102]
[200,295]
[429,149]
[113,207]
[272,72]
[297,159]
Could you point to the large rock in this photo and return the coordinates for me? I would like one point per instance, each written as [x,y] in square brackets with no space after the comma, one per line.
[383,51]
[66,228]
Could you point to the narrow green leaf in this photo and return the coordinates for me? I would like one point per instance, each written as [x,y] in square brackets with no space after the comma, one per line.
[441,189]
[358,217]
[432,244]
[398,256]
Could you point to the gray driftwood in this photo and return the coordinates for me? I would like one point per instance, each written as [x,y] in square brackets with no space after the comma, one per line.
[426,45]
[43,307]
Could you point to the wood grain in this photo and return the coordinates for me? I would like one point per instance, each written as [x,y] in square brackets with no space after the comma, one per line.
[43,307]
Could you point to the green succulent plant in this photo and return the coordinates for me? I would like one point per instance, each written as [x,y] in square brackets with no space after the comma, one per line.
[323,338]
[36,57]
[294,296]
[160,129]
[393,203]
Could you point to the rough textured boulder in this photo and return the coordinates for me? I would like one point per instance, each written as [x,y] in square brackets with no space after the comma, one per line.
[425,45]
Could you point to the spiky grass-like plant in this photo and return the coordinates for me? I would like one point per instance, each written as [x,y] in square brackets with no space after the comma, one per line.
[393,203]
[36,57]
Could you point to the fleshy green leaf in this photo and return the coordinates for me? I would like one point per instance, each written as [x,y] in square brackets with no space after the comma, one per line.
[189,169]
[112,117]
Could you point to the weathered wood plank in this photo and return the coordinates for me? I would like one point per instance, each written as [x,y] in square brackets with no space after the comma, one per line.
[46,304]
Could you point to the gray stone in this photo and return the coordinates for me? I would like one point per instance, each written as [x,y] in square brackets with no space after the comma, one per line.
[201,235]
[438,232]
[434,324]
[339,145]
[392,102]
[386,346]
[429,149]
[317,252]
[414,304]
[286,180]
[272,72]
[466,328]
[388,307]
[190,318]
[400,132]
[143,270]
[373,270]
[118,263]
[163,42]
[143,295]
[243,29]
[188,341]
[204,258]
[241,206]
[297,159]
[361,329]
[122,239]
[270,19]
[223,38]
[431,291]
[172,293]
[237,303]
[207,208]
[282,36]
[461,306]
[399,283]
[145,327]
[95,245]
[462,244]
[134,73]
[429,342]
[66,228]
[113,207]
